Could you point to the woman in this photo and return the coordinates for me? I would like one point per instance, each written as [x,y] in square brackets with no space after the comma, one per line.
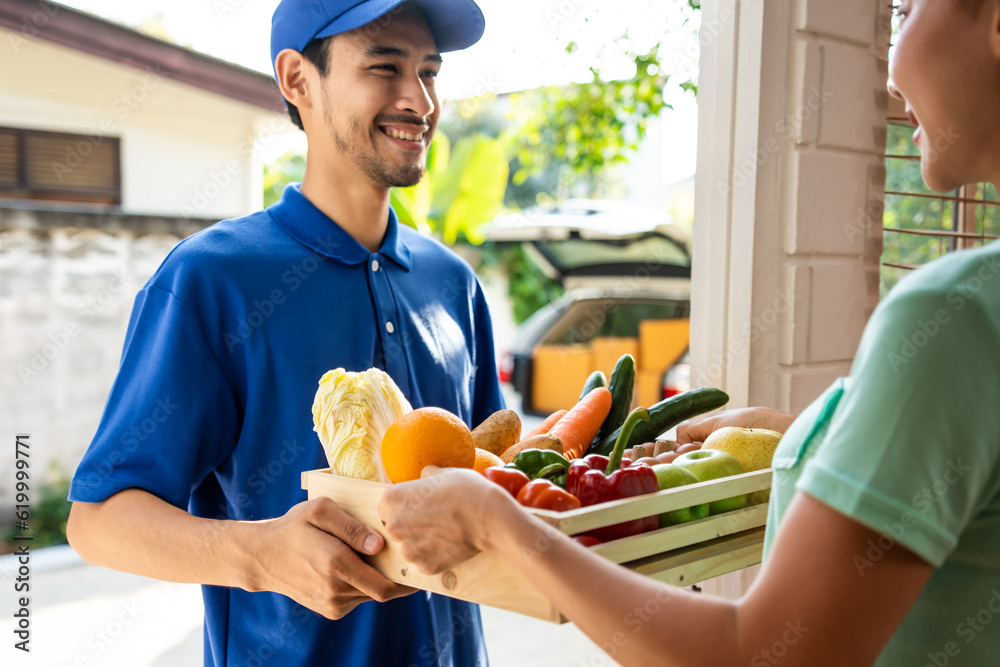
[883,539]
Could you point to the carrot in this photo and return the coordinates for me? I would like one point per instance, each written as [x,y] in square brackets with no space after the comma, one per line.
[544,427]
[579,426]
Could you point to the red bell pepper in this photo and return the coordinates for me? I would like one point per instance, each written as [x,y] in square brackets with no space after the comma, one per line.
[597,479]
[511,479]
[544,495]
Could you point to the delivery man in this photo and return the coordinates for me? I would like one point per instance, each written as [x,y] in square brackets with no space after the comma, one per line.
[193,475]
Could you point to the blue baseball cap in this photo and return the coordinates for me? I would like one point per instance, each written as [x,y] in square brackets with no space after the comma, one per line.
[454,24]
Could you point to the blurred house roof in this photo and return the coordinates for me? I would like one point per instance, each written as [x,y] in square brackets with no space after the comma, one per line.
[94,35]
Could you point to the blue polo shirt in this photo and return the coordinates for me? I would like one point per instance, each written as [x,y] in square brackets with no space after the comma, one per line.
[211,409]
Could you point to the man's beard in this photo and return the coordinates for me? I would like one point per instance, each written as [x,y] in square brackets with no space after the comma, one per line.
[369,160]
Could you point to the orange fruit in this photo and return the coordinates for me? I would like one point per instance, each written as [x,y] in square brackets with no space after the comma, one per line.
[485,459]
[426,436]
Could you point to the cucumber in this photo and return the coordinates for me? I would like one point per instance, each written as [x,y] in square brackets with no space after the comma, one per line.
[665,415]
[596,379]
[621,386]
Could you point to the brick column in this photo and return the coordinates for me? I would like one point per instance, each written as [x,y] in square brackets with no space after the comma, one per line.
[788,198]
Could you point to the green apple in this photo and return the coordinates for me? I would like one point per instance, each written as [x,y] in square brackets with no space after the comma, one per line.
[753,447]
[669,476]
[706,464]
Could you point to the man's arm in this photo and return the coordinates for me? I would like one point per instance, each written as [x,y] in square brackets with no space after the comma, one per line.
[308,554]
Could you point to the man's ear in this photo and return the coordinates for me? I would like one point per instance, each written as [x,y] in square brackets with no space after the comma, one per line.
[290,67]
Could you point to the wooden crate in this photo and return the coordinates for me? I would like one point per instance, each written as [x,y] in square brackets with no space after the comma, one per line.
[681,555]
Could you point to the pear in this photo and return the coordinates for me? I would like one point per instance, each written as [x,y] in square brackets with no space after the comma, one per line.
[753,447]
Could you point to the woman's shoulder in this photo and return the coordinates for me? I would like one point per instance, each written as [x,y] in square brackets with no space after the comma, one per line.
[950,306]
[968,274]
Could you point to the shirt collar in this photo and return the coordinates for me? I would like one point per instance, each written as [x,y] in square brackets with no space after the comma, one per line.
[314,229]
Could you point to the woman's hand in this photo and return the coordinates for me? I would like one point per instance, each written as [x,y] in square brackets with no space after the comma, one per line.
[768,418]
[443,518]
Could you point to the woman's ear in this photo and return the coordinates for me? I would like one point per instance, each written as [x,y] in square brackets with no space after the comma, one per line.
[290,66]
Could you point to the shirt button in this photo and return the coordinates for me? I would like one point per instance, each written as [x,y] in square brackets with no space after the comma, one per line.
[389,327]
[374,265]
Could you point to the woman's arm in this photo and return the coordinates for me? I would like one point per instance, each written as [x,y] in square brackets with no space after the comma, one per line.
[816,602]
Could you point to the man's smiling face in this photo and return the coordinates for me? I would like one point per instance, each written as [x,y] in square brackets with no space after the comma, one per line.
[379,105]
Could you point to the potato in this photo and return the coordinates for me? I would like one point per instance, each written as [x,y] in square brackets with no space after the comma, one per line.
[544,441]
[500,431]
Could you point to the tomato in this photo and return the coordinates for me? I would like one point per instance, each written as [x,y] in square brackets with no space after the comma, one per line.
[586,540]
[511,479]
[543,494]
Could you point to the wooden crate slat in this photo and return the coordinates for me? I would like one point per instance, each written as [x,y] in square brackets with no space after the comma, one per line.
[627,509]
[682,535]
[698,562]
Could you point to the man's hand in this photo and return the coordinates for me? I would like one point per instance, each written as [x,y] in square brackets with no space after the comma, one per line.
[309,555]
[774,420]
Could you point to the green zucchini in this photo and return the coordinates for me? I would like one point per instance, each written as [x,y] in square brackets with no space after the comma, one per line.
[621,386]
[665,415]
[596,379]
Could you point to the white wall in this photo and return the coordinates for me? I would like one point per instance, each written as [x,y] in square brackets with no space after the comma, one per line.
[789,190]
[184,151]
[788,196]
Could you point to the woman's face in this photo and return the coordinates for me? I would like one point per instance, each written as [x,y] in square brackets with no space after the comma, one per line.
[946,67]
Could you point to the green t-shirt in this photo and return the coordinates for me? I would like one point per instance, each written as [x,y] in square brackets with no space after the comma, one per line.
[909,445]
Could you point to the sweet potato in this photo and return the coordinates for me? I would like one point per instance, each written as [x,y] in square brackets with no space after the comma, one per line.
[498,432]
[544,441]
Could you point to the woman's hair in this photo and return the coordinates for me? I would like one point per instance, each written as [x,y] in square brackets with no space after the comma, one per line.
[317,52]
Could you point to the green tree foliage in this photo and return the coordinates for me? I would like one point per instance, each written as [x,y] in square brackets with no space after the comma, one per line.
[289,168]
[563,141]
[583,129]
[49,513]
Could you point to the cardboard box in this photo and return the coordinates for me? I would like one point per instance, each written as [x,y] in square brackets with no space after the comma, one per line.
[607,351]
[558,374]
[661,343]
[649,387]
[679,555]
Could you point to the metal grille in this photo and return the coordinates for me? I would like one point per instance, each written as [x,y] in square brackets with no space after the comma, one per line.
[920,225]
